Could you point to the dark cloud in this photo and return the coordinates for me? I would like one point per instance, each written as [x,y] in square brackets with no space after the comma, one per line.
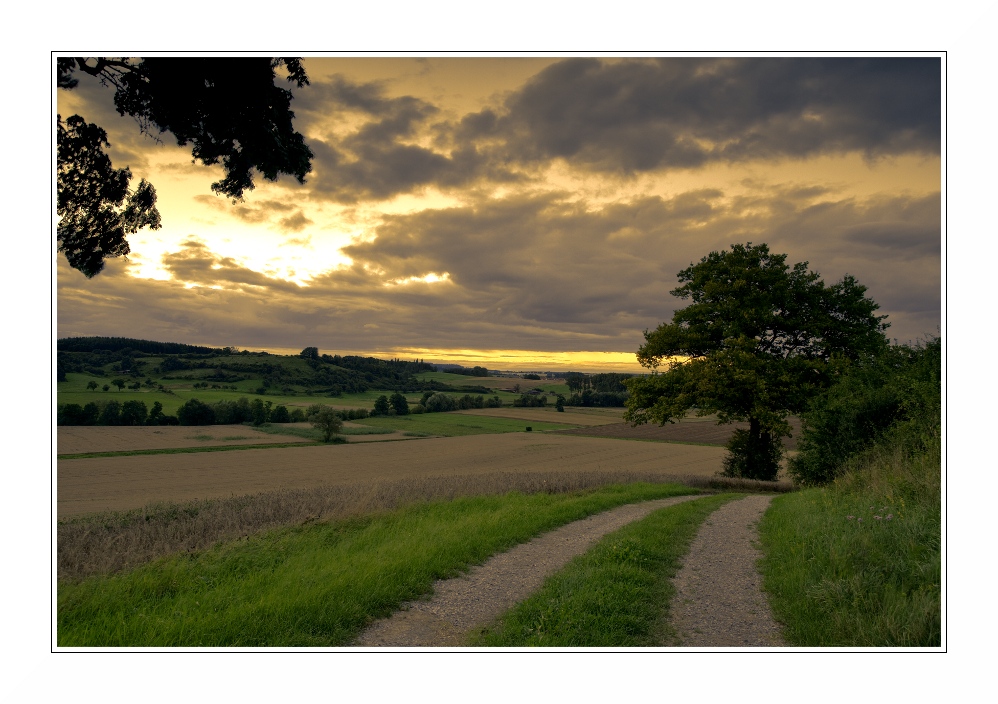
[640,115]
[388,152]
[534,271]
[296,222]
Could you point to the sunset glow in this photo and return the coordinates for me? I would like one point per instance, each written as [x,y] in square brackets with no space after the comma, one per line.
[528,213]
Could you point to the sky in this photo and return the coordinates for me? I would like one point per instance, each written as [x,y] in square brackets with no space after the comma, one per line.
[529,213]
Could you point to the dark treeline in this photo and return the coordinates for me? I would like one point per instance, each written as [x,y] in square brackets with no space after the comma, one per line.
[607,382]
[114,344]
[468,371]
[603,399]
[192,412]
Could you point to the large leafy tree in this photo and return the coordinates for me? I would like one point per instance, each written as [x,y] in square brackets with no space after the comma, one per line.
[757,340]
[229,110]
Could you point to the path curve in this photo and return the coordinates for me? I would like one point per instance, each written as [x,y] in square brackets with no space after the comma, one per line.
[471,601]
[719,601]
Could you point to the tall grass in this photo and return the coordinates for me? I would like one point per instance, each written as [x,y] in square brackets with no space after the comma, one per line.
[858,563]
[318,584]
[615,595]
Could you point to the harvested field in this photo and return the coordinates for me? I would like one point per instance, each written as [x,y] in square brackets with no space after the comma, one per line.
[689,430]
[73,439]
[544,415]
[122,483]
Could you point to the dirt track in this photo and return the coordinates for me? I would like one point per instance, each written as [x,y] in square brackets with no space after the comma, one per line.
[121,483]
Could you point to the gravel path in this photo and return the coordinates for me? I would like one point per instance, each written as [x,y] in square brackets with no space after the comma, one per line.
[719,600]
[474,600]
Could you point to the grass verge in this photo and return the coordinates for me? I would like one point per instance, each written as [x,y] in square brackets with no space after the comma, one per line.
[317,584]
[615,595]
[858,563]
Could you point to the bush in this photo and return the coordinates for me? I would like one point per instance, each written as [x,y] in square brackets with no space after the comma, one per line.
[528,401]
[901,386]
[381,406]
[110,414]
[194,412]
[69,414]
[280,415]
[399,404]
[133,413]
[297,416]
[325,419]
[753,458]
[440,403]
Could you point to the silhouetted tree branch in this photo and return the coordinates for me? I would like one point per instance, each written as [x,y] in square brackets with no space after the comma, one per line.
[228,109]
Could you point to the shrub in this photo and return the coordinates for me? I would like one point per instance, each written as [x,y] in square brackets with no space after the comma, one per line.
[280,415]
[399,404]
[133,413]
[901,386]
[753,458]
[440,403]
[110,414]
[297,416]
[194,412]
[69,414]
[325,419]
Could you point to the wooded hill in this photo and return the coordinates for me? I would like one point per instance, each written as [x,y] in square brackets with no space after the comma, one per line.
[309,371]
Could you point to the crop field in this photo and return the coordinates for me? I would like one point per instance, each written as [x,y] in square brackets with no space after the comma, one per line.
[689,430]
[454,424]
[73,439]
[571,416]
[131,482]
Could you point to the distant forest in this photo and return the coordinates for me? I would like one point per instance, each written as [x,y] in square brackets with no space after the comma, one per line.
[309,371]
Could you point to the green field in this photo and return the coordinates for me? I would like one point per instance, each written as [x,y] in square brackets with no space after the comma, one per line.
[74,390]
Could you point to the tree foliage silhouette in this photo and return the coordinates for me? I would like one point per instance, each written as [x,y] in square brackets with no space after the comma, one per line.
[757,341]
[228,110]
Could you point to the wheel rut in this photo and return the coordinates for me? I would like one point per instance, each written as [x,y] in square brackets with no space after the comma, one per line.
[719,600]
[462,604]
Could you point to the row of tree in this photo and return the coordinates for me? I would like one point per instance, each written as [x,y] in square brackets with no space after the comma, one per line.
[431,402]
[608,382]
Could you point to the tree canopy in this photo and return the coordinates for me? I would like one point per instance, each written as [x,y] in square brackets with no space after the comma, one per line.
[228,109]
[758,339]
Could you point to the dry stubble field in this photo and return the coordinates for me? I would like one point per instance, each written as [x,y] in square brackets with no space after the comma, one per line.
[122,483]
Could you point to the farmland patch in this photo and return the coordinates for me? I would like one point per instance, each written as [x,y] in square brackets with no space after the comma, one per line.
[123,483]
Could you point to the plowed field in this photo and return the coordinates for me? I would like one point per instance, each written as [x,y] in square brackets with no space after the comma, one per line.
[120,483]
[689,430]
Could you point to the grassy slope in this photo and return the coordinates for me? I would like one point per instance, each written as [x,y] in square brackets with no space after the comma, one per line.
[318,584]
[615,595]
[858,564]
